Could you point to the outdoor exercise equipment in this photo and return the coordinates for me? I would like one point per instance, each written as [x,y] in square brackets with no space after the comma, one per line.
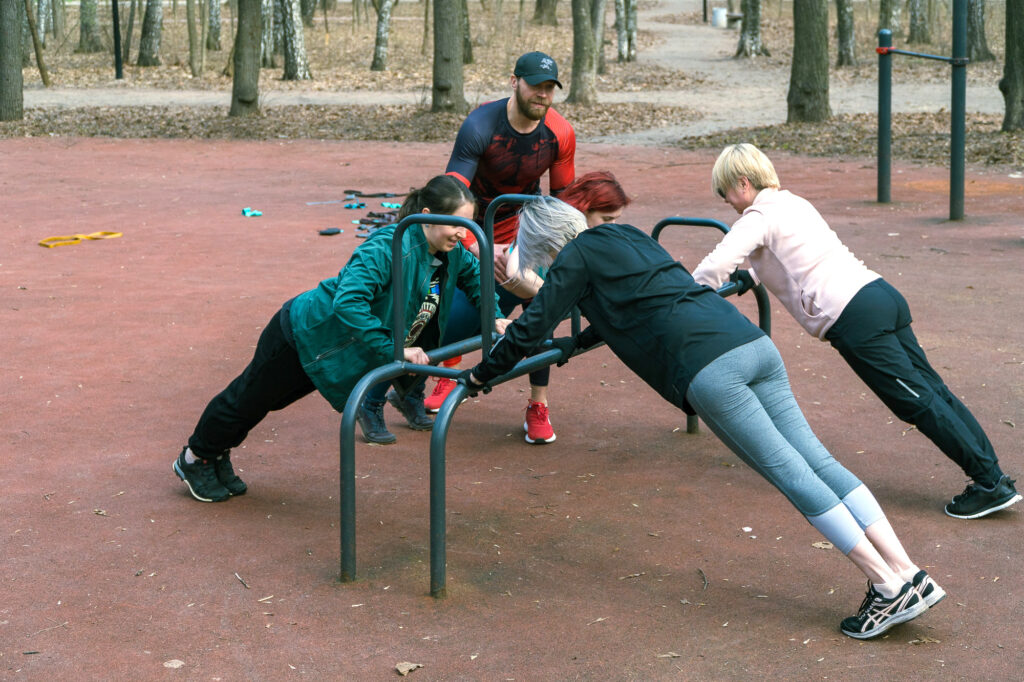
[442,422]
[958,110]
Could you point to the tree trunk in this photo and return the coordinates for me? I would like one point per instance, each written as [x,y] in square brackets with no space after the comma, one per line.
[279,10]
[920,31]
[846,36]
[193,38]
[245,82]
[889,15]
[128,33]
[1012,83]
[44,19]
[808,80]
[467,40]
[296,64]
[37,44]
[598,10]
[89,29]
[631,30]
[12,102]
[544,13]
[620,31]
[751,44]
[583,88]
[213,33]
[380,43]
[448,84]
[307,9]
[977,43]
[57,7]
[426,28]
[267,33]
[149,43]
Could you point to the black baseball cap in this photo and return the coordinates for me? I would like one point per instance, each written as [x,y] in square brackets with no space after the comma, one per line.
[536,68]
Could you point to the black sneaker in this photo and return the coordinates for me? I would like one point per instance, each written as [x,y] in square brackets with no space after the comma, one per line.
[227,477]
[201,479]
[412,409]
[371,421]
[927,588]
[976,501]
[878,614]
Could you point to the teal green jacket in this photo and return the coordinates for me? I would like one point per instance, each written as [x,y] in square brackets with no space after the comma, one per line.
[342,328]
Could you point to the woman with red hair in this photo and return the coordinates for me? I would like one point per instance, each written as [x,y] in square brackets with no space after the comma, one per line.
[600,197]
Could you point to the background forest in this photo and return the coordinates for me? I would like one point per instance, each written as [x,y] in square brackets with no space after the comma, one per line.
[341,43]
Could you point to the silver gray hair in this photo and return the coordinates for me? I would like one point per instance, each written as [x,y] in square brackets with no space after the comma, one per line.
[546,225]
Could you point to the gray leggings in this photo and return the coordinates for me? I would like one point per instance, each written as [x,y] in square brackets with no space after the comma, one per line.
[745,399]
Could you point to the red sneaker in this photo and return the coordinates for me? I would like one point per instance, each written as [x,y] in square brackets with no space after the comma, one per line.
[537,426]
[441,391]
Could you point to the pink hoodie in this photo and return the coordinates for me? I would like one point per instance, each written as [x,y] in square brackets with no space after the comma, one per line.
[795,254]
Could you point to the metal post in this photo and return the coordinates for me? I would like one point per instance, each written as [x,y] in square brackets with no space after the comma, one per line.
[958,111]
[884,116]
[347,449]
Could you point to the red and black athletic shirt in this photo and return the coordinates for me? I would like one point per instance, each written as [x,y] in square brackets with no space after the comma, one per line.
[493,159]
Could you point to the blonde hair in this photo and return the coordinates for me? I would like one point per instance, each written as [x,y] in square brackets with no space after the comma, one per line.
[742,161]
[546,225]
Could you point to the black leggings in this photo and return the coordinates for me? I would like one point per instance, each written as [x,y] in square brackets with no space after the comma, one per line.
[273,380]
[873,335]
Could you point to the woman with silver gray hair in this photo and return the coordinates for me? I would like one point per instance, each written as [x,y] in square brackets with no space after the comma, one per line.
[702,355]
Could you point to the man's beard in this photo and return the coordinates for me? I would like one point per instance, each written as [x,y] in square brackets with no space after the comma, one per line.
[526,109]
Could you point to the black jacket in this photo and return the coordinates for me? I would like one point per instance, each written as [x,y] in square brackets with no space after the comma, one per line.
[638,300]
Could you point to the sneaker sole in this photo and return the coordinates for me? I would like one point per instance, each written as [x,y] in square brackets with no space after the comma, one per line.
[984,512]
[903,617]
[537,441]
[177,470]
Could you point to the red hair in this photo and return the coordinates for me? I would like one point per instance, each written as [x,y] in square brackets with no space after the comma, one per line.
[595,191]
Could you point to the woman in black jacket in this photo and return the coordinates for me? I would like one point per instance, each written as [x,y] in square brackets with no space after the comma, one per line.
[704,356]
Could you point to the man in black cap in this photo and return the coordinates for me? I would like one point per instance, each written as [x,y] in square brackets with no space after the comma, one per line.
[505,147]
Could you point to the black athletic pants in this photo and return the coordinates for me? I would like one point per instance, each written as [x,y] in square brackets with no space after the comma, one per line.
[273,380]
[873,335]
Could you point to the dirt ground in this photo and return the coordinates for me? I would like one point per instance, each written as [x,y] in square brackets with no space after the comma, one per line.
[583,559]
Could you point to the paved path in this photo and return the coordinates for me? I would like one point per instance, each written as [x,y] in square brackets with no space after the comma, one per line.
[731,94]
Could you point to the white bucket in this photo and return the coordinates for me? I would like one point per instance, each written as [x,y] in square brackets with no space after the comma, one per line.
[718,17]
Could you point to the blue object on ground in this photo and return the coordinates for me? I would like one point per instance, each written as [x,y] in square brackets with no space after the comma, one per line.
[251,212]
[331,230]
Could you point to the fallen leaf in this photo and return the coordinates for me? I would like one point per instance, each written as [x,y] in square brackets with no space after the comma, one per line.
[823,544]
[405,667]
[173,663]
[670,654]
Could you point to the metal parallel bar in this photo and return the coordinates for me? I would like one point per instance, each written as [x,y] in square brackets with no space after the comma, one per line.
[958,109]
[884,179]
[958,112]
[346,437]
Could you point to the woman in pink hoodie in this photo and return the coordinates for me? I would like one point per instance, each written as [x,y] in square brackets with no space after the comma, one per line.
[836,298]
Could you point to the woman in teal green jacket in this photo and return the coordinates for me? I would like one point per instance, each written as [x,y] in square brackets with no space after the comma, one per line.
[328,338]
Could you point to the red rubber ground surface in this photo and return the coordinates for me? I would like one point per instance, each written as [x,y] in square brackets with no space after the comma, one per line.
[583,559]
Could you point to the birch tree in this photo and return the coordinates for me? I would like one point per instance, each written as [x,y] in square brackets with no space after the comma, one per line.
[380,43]
[296,64]
[977,43]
